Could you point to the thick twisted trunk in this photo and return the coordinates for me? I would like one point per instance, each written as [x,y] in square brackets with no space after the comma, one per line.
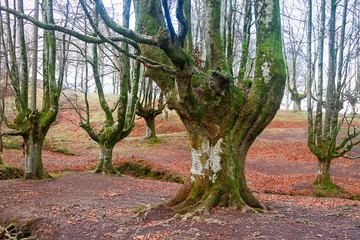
[217,175]
[104,164]
[222,122]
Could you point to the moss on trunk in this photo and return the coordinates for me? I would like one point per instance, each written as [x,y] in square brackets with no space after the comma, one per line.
[104,164]
[37,128]
[221,121]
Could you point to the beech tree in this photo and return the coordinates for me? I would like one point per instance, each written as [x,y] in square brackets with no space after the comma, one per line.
[151,105]
[324,130]
[222,122]
[32,125]
[3,91]
[293,46]
[113,129]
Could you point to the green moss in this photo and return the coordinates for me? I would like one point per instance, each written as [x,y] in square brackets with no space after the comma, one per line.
[328,189]
[137,169]
[246,83]
[9,172]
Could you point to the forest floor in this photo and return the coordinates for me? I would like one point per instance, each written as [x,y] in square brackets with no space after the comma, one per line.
[76,204]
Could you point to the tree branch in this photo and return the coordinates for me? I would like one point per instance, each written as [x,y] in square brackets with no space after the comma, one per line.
[17,133]
[7,122]
[140,38]
[182,20]
[147,62]
[173,35]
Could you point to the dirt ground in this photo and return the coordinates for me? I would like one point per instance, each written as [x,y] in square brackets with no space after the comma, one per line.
[76,204]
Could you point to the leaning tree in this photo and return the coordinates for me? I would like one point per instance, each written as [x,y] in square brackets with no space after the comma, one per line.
[222,122]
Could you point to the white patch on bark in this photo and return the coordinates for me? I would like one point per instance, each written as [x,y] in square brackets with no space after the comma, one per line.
[212,156]
[177,92]
[266,72]
[196,166]
[148,131]
[319,172]
[30,159]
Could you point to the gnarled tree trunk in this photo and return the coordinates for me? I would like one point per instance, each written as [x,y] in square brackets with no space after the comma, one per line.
[221,121]
[104,164]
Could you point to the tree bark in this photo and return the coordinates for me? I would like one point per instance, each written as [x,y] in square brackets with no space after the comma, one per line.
[297,105]
[150,127]
[104,164]
[323,173]
[34,140]
[221,121]
[34,58]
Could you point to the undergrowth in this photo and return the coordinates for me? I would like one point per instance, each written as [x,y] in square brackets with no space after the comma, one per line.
[9,172]
[50,145]
[137,169]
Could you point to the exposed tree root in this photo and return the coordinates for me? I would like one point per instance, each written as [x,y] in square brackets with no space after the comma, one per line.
[188,205]
[15,231]
[106,170]
[38,176]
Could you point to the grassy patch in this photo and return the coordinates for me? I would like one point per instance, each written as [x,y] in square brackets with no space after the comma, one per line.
[137,169]
[50,145]
[13,143]
[153,141]
[329,190]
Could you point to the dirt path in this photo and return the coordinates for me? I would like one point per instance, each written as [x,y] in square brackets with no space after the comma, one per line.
[79,205]
[88,206]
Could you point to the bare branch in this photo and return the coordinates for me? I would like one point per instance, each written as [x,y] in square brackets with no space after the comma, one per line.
[173,35]
[140,38]
[182,20]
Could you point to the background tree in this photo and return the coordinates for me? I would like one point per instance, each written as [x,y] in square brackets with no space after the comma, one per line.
[151,105]
[32,125]
[113,129]
[293,37]
[325,135]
